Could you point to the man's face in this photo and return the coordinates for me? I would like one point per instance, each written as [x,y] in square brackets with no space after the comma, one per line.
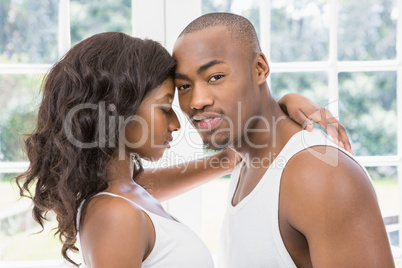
[216,85]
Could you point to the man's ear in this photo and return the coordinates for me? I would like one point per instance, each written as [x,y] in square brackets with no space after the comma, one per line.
[262,67]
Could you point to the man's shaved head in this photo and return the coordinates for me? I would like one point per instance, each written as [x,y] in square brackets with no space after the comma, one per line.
[239,27]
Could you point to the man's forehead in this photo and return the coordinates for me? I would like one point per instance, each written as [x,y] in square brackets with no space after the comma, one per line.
[210,35]
[200,62]
[203,50]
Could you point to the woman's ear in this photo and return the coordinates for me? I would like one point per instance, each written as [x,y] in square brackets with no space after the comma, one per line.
[262,67]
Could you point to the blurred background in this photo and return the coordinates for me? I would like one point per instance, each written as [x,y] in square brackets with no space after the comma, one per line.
[345,55]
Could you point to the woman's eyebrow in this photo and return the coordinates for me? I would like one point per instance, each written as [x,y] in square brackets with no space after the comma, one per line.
[169,96]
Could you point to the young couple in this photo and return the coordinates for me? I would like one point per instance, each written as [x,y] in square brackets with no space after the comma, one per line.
[307,204]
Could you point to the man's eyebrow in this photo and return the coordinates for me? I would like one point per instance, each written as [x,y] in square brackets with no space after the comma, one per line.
[207,65]
[200,70]
[181,76]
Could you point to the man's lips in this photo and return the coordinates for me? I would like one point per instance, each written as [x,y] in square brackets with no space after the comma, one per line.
[207,121]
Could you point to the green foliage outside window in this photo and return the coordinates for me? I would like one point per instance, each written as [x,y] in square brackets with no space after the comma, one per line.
[367,101]
[89,17]
[28,31]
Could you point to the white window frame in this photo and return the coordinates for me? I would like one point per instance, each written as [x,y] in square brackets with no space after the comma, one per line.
[64,44]
[169,18]
[162,20]
[333,67]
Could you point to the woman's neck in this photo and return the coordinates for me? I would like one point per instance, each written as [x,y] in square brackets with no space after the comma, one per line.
[120,174]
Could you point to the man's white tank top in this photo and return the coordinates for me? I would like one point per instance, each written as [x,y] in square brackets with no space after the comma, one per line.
[176,245]
[250,236]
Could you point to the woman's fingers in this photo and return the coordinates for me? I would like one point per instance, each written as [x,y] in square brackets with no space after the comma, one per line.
[335,129]
[303,111]
[301,118]
[342,135]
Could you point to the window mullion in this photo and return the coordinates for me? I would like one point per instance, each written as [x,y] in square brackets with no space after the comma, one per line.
[175,20]
[375,161]
[265,27]
[24,68]
[333,88]
[13,167]
[146,26]
[399,83]
[64,41]
[399,111]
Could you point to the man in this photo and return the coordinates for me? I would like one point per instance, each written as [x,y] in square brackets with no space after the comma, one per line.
[295,199]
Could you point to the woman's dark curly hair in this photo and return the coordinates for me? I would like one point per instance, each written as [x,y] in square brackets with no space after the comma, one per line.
[105,76]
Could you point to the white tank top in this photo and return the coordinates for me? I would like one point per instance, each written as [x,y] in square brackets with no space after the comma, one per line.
[250,236]
[176,245]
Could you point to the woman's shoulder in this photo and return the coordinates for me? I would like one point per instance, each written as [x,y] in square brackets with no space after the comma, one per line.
[108,215]
[113,208]
[112,223]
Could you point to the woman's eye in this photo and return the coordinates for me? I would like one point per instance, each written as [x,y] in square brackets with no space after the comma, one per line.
[183,87]
[215,78]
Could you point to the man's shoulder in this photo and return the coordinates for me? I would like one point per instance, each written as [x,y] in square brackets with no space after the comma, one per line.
[320,160]
[320,171]
[330,200]
[332,186]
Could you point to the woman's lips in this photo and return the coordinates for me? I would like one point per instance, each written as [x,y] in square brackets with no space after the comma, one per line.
[167,144]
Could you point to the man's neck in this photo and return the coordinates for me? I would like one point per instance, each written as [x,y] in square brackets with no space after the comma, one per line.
[266,138]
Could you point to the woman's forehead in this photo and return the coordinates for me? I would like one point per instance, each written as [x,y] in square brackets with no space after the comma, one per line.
[164,92]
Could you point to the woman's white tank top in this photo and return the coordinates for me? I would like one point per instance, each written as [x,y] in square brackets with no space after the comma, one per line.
[176,245]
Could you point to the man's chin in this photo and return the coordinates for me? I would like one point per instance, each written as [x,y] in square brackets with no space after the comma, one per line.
[216,146]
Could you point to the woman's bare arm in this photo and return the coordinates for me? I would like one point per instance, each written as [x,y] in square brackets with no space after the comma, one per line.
[165,183]
[304,111]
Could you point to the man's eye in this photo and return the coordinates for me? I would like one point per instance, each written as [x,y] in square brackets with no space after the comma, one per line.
[183,87]
[215,78]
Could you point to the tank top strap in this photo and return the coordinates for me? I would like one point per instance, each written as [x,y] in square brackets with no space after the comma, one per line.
[79,211]
[114,195]
[154,217]
[175,243]
[125,198]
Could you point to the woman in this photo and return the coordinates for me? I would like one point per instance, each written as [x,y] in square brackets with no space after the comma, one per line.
[107,103]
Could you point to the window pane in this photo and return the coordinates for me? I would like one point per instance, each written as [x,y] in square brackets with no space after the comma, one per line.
[28,31]
[89,17]
[368,111]
[367,31]
[311,85]
[20,240]
[299,30]
[18,107]
[386,185]
[17,224]
[209,6]
[247,9]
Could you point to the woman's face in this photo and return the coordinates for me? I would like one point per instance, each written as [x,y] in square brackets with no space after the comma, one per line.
[149,132]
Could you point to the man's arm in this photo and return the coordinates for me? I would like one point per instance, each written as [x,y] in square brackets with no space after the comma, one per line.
[165,183]
[331,201]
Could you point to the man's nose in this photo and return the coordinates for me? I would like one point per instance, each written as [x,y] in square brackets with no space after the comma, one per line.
[200,98]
